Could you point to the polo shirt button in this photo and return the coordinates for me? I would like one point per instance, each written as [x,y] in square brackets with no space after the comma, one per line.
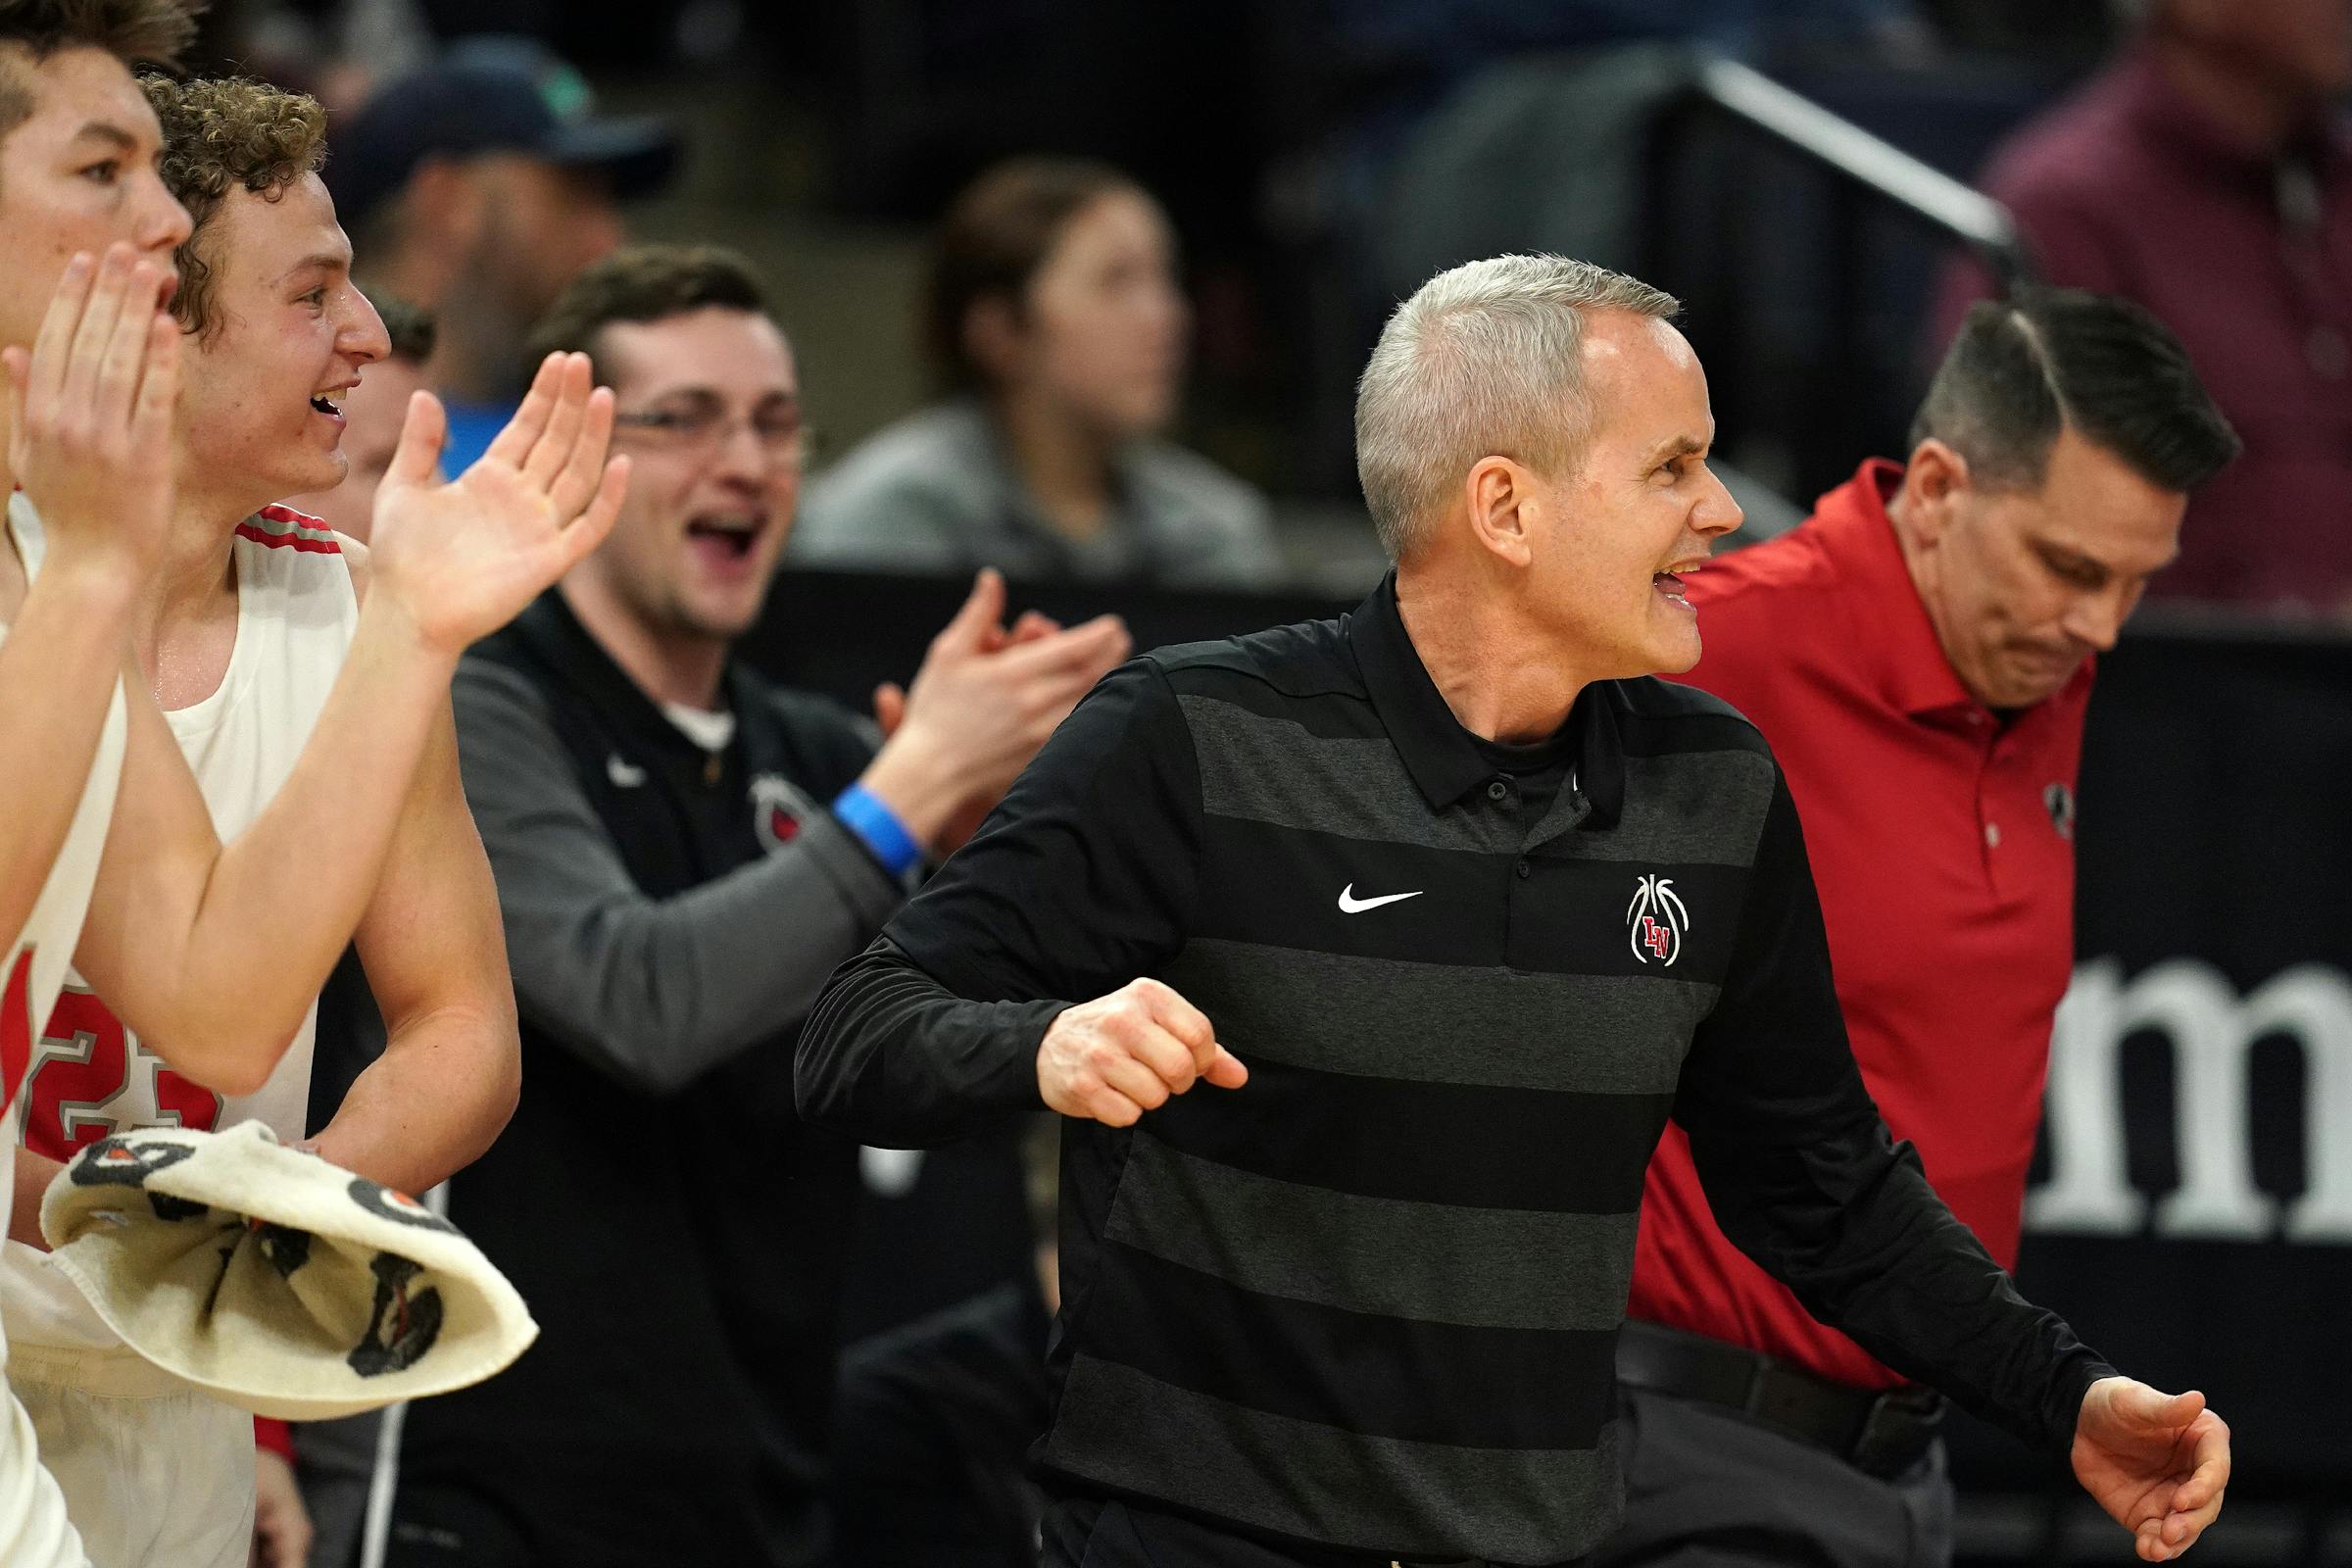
[1498,790]
[1522,868]
[1992,835]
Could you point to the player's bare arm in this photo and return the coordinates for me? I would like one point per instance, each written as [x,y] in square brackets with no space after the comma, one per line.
[436,961]
[89,409]
[32,1178]
[169,937]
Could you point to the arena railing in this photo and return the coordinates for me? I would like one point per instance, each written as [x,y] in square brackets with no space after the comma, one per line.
[1798,289]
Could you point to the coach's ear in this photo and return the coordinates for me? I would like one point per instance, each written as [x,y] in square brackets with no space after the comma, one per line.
[1935,481]
[1503,496]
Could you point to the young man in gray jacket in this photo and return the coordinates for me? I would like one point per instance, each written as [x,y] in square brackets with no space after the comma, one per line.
[684,851]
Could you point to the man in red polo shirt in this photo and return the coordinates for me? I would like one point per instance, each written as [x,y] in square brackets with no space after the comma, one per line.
[1919,655]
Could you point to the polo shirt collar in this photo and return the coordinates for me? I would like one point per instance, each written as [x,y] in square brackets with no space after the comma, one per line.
[1897,642]
[1444,760]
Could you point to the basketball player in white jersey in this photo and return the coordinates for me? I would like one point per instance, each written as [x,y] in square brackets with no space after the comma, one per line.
[256,611]
[217,951]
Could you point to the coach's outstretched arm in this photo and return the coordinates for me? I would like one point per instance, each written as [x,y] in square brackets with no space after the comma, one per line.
[961,1015]
[1803,1175]
[171,941]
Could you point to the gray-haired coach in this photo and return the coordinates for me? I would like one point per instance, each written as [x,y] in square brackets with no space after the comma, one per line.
[1481,903]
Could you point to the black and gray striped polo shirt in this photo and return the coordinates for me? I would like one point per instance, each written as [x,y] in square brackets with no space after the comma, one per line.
[1367,1300]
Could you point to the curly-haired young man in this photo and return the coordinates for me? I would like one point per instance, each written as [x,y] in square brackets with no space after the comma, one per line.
[313,712]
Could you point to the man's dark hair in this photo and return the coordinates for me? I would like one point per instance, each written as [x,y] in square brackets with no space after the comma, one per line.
[644,283]
[412,328]
[993,241]
[2025,367]
[137,32]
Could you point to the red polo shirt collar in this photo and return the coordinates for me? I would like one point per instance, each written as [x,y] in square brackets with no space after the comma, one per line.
[1892,631]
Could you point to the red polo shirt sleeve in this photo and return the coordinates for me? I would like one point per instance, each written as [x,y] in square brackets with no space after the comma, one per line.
[1942,845]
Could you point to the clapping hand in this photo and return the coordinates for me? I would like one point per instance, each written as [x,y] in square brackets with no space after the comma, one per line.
[89,409]
[462,557]
[982,704]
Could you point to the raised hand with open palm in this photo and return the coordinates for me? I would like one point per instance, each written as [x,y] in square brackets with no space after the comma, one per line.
[461,558]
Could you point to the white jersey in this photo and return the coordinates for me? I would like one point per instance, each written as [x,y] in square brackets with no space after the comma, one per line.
[90,1076]
[33,1515]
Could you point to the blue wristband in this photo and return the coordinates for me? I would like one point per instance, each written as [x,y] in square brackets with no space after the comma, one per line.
[878,828]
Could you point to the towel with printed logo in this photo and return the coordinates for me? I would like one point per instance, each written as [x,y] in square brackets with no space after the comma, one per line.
[274,1280]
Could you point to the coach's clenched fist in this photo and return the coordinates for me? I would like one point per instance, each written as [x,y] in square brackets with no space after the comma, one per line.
[1117,1057]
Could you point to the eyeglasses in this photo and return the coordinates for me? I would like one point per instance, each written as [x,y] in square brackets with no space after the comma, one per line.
[705,427]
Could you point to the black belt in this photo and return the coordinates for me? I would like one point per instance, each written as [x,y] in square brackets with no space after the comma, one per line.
[1302,1553]
[1881,1433]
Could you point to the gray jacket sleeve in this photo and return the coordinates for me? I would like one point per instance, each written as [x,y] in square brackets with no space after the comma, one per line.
[652,991]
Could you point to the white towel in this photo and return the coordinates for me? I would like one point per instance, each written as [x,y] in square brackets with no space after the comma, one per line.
[275,1281]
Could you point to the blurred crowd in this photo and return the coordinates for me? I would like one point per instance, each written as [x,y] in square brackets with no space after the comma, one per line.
[1139,306]
[1139,338]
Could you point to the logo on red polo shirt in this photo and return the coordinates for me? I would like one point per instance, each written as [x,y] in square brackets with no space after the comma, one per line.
[1656,921]
[2061,803]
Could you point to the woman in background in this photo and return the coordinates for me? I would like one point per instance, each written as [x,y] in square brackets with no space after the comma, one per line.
[1054,311]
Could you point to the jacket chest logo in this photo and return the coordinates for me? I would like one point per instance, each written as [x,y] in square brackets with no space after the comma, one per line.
[1656,921]
[777,811]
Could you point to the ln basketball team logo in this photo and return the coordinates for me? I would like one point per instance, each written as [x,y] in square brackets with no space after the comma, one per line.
[1656,920]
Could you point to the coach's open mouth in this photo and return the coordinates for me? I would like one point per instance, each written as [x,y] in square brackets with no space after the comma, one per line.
[1669,583]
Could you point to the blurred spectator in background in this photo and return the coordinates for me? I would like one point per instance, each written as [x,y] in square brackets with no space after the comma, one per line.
[476,188]
[683,852]
[372,414]
[2206,174]
[1054,311]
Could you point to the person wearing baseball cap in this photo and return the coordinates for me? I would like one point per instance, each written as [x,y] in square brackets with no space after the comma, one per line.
[476,187]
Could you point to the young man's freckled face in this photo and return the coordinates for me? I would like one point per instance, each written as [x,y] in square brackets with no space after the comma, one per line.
[77,174]
[287,337]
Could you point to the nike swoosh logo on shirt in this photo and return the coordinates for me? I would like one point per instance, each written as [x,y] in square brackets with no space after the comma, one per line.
[1349,903]
[622,772]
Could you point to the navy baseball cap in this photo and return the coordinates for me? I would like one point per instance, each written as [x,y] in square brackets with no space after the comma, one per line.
[484,95]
